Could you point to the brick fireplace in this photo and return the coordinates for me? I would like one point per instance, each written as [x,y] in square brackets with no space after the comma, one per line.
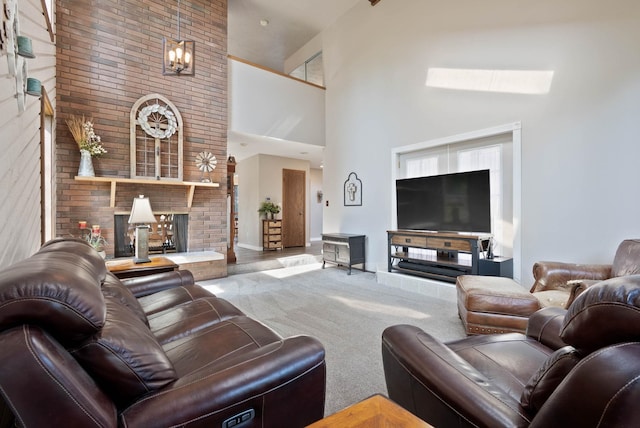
[108,56]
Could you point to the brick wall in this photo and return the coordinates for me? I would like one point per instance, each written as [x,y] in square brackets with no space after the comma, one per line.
[109,54]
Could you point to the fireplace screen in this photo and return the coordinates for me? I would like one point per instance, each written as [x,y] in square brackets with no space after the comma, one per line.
[168,235]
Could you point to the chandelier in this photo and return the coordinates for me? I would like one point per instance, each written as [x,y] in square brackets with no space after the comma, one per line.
[178,55]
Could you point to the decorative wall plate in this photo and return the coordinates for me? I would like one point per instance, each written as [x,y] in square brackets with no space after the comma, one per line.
[157,121]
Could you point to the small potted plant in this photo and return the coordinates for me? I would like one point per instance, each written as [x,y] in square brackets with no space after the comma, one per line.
[269,209]
[96,240]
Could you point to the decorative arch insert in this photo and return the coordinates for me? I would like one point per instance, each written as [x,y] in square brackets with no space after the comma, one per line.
[156,139]
[352,190]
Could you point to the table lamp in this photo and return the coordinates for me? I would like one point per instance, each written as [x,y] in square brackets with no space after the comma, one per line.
[141,215]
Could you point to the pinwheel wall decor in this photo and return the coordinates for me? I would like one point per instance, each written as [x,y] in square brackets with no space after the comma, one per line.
[206,163]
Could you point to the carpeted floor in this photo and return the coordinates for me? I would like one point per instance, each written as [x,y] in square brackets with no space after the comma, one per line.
[346,313]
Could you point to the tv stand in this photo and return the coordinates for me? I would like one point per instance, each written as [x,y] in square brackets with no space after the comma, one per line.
[437,255]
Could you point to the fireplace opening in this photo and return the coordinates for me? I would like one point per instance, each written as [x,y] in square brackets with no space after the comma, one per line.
[168,235]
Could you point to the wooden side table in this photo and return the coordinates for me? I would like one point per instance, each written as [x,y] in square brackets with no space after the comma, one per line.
[126,268]
[375,411]
[497,266]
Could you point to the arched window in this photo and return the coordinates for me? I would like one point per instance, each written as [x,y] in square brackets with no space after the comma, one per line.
[156,139]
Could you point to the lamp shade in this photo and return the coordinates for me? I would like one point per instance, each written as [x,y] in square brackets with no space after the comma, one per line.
[141,211]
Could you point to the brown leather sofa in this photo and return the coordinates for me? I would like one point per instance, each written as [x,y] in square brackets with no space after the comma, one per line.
[578,367]
[78,347]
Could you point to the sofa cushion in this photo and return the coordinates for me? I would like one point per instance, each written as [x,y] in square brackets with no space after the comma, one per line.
[124,357]
[548,377]
[508,360]
[495,295]
[170,298]
[605,314]
[218,345]
[190,317]
[58,291]
[552,298]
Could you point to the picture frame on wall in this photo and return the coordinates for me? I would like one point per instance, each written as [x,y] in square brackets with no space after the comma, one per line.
[352,191]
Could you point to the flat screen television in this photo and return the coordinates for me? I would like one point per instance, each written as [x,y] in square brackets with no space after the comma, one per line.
[459,202]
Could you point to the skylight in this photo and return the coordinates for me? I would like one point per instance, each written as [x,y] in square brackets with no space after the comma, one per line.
[507,81]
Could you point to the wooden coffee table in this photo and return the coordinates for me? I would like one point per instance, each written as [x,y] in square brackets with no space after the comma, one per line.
[126,268]
[375,411]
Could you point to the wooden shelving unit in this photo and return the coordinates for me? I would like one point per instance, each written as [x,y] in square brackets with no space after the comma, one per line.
[271,234]
[114,181]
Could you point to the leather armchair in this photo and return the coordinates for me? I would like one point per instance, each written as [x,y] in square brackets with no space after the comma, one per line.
[559,283]
[574,367]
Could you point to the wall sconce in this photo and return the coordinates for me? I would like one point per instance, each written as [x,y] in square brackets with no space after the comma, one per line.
[142,215]
[34,87]
[319,195]
[179,55]
[24,47]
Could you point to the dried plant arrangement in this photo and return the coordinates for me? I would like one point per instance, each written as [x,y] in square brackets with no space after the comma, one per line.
[84,135]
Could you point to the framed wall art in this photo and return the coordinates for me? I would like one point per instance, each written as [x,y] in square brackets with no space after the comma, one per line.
[352,191]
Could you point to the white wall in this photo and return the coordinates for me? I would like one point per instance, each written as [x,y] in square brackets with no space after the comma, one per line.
[270,105]
[260,177]
[315,205]
[20,217]
[579,142]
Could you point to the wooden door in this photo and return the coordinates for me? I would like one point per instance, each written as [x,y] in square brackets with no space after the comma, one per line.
[293,208]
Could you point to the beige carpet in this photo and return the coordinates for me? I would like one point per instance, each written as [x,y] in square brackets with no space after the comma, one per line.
[347,313]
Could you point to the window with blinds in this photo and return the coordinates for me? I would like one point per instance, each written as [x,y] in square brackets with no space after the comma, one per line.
[493,153]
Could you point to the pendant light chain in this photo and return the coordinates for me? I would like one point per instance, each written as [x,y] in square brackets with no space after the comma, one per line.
[179,20]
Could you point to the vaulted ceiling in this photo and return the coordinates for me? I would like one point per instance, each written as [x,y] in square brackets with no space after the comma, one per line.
[266,32]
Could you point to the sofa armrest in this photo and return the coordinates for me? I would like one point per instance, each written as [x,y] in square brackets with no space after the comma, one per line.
[430,380]
[577,287]
[554,275]
[545,326]
[282,383]
[602,391]
[149,284]
[38,372]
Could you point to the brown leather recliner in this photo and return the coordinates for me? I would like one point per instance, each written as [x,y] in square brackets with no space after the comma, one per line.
[578,367]
[79,347]
[559,282]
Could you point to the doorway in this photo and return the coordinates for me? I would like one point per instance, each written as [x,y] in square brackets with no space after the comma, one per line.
[47,169]
[293,208]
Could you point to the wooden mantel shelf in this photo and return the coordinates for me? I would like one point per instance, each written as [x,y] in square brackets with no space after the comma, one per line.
[190,185]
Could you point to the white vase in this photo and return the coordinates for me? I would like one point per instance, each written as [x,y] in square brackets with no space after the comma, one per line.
[86,165]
